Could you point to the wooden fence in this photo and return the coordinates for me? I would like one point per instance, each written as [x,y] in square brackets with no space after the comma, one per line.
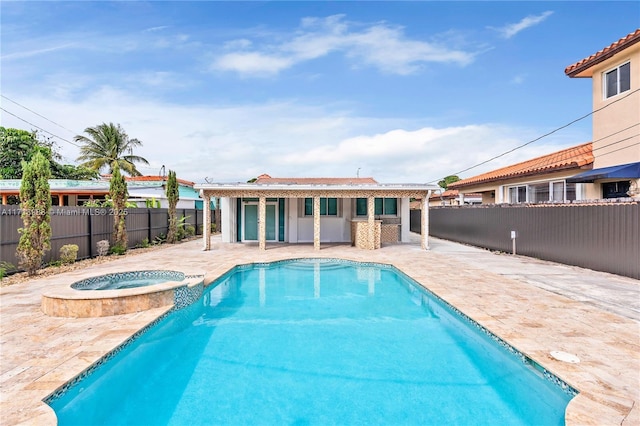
[601,236]
[86,226]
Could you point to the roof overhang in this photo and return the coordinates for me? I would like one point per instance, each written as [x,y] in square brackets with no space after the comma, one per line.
[623,171]
[583,68]
[301,191]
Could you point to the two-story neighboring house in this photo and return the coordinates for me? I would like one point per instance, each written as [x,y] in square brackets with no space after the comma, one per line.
[615,73]
[608,167]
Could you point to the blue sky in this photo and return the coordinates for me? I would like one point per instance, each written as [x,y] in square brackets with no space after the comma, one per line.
[401,91]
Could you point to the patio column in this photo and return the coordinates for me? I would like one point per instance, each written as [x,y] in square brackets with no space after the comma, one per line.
[206,221]
[424,229]
[262,223]
[316,223]
[371,211]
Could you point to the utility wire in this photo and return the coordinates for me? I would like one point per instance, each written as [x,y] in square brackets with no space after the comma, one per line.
[39,115]
[527,164]
[40,128]
[621,148]
[540,137]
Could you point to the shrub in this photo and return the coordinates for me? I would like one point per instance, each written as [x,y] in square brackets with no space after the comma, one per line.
[119,194]
[190,230]
[213,228]
[35,202]
[144,243]
[4,268]
[118,249]
[175,233]
[180,229]
[160,239]
[68,253]
[103,247]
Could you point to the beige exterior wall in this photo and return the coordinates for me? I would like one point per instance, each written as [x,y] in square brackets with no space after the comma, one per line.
[620,115]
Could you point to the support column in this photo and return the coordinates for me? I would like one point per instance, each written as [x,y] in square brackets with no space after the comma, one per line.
[206,221]
[5,199]
[371,211]
[316,223]
[424,229]
[262,223]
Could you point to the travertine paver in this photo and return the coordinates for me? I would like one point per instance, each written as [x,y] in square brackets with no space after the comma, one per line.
[40,353]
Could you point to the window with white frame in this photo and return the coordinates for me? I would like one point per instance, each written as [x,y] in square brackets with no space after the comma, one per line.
[542,192]
[617,80]
[517,194]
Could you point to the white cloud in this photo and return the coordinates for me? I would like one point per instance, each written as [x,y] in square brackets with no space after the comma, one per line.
[253,63]
[35,52]
[510,30]
[381,45]
[236,143]
[154,29]
[239,44]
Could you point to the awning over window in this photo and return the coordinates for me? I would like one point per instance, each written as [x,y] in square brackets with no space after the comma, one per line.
[623,171]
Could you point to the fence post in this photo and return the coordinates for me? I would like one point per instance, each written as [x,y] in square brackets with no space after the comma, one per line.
[195,213]
[149,224]
[90,229]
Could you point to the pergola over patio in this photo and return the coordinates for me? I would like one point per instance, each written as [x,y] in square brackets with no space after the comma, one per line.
[263,191]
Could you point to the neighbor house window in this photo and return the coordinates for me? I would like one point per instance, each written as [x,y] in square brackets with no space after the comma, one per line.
[618,189]
[538,192]
[328,207]
[383,206]
[517,194]
[617,80]
[541,192]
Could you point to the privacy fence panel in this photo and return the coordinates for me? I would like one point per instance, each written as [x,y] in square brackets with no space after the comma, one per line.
[603,237]
[85,226]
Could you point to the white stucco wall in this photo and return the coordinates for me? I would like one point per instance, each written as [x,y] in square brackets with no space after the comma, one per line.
[227,220]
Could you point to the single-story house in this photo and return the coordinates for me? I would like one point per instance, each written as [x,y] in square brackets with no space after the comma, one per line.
[67,192]
[143,188]
[64,192]
[359,211]
[540,179]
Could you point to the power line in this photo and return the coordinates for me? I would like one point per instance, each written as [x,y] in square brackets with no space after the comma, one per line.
[528,165]
[40,128]
[621,148]
[39,115]
[524,167]
[540,137]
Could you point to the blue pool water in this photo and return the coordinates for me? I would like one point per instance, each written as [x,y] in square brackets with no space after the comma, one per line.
[313,343]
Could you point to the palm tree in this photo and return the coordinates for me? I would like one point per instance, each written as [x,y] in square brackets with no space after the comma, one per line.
[106,145]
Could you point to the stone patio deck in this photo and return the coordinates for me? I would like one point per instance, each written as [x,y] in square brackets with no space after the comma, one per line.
[536,306]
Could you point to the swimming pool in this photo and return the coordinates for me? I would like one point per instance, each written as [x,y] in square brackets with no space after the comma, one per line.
[314,342]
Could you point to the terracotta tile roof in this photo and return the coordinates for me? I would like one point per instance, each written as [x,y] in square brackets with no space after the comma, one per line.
[570,158]
[262,179]
[580,66]
[450,194]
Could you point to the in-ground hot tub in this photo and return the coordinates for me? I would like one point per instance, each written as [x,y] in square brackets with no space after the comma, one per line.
[123,293]
[122,280]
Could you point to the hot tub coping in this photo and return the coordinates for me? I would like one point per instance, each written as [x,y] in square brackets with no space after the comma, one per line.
[65,301]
